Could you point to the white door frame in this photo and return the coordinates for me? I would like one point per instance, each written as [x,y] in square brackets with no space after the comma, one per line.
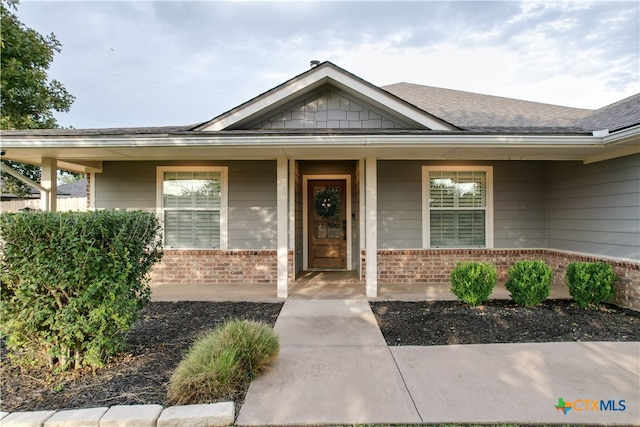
[305,215]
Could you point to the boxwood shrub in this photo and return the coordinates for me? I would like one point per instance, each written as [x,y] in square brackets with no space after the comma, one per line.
[591,283]
[473,282]
[73,282]
[529,282]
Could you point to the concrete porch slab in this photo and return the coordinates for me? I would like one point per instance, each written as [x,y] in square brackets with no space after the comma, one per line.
[321,289]
[252,292]
[517,383]
[442,292]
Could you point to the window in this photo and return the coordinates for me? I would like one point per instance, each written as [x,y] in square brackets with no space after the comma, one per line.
[457,210]
[193,206]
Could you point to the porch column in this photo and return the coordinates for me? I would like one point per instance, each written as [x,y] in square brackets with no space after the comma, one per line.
[49,180]
[371,226]
[283,225]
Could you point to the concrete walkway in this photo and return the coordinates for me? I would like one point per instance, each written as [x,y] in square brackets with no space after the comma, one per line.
[335,368]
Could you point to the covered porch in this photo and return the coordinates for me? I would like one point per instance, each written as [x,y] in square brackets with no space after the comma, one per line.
[323,285]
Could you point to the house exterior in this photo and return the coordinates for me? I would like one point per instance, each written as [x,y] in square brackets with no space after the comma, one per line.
[329,172]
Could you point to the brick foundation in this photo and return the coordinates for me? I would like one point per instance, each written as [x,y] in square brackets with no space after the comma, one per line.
[184,267]
[394,266]
[435,265]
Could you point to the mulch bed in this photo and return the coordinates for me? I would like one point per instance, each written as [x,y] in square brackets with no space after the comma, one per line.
[165,331]
[501,321]
[139,376]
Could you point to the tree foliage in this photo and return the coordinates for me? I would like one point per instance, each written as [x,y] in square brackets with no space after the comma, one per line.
[16,187]
[28,97]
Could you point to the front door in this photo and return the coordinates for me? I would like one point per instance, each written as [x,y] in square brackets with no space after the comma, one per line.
[327,224]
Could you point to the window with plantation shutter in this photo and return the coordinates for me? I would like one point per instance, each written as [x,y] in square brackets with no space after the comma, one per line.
[457,207]
[193,206]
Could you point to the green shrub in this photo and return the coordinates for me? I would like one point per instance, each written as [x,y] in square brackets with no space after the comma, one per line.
[73,282]
[473,282]
[529,282]
[223,363]
[591,283]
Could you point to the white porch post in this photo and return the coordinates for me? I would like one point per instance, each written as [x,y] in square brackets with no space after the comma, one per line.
[49,180]
[371,225]
[283,225]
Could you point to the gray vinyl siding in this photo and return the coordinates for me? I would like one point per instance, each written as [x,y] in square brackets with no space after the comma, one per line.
[518,204]
[252,196]
[252,205]
[126,185]
[518,201]
[595,208]
[399,204]
[592,208]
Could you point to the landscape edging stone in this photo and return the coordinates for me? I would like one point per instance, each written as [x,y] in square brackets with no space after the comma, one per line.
[215,414]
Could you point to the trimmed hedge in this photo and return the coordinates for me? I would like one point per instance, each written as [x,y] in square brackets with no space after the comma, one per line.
[473,282]
[591,283]
[529,282]
[74,282]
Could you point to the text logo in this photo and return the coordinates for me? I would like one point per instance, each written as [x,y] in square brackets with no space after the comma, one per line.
[589,405]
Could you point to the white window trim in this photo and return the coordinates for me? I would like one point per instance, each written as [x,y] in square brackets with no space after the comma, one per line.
[426,238]
[224,209]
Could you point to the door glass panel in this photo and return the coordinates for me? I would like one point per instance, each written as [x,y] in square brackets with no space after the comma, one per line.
[333,229]
[320,230]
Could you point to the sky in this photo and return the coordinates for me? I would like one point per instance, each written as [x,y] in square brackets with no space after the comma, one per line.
[158,63]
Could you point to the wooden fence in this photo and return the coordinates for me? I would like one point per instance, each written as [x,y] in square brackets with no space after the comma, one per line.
[64,204]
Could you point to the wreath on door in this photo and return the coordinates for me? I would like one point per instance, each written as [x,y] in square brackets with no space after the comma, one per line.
[326,204]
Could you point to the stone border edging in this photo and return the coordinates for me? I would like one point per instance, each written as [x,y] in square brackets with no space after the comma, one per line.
[212,414]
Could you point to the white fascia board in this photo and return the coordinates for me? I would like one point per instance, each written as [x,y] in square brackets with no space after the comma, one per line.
[457,140]
[277,97]
[346,82]
[618,144]
[387,102]
[622,136]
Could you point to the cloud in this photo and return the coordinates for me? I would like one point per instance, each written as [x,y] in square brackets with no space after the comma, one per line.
[174,62]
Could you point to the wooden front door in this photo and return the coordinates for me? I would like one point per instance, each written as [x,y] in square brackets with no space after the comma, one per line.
[327,224]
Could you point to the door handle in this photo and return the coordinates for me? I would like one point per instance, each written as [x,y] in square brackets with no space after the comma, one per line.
[344,229]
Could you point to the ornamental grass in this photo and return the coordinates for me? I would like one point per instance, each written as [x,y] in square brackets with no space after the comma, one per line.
[221,364]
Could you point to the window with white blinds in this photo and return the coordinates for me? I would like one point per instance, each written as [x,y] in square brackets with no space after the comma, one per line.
[193,206]
[457,208]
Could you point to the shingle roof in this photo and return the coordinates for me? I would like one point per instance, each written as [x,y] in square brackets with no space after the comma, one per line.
[474,111]
[74,189]
[617,116]
[470,112]
[159,130]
